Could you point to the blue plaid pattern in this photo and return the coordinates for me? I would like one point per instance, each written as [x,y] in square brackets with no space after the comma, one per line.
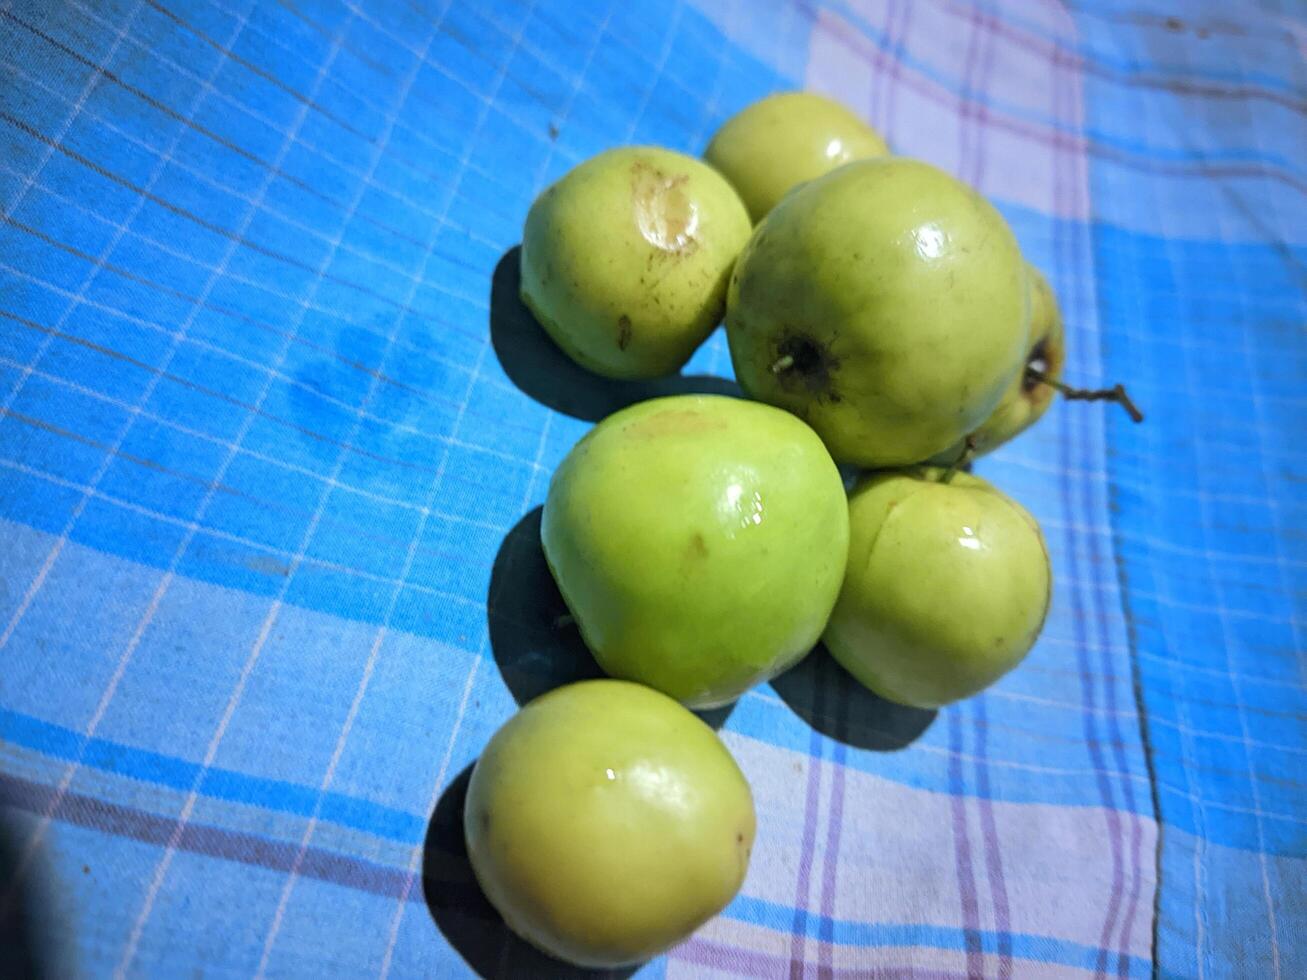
[274,433]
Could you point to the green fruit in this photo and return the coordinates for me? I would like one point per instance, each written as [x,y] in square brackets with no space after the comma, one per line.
[777,143]
[625,259]
[885,304]
[947,587]
[607,823]
[699,542]
[1025,400]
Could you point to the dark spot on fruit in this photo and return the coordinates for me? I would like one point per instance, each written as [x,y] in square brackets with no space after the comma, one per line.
[1036,360]
[485,821]
[804,364]
[739,838]
[698,547]
[673,421]
[623,332]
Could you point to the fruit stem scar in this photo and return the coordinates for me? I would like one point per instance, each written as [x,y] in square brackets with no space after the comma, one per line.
[782,363]
[968,450]
[1116,393]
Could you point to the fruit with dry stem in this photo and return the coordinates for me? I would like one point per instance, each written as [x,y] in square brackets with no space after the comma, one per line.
[884,304]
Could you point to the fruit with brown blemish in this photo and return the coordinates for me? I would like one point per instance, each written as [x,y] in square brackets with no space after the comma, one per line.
[947,587]
[699,543]
[775,144]
[606,823]
[885,304]
[625,259]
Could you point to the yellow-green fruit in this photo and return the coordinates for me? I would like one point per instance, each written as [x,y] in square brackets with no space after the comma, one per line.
[1025,400]
[699,542]
[885,304]
[947,587]
[770,147]
[606,823]
[625,259]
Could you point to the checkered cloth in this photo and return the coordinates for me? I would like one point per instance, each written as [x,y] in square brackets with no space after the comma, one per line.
[274,432]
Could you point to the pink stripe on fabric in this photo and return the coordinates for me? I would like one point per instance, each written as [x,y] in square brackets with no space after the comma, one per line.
[989,832]
[831,32]
[1065,94]
[962,848]
[899,42]
[749,962]
[803,886]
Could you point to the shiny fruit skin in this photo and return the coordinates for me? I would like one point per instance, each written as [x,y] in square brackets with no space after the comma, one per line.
[771,146]
[625,259]
[885,304]
[606,823]
[699,541]
[947,587]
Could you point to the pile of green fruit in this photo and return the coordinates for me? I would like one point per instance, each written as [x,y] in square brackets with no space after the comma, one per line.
[880,314]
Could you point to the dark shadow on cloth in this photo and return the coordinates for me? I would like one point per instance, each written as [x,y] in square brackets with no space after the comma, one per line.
[461,910]
[828,698]
[26,942]
[536,644]
[535,364]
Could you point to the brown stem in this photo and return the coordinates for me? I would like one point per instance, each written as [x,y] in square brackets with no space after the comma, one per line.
[1116,393]
[968,450]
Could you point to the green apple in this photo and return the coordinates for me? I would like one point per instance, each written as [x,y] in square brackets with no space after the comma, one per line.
[606,823]
[699,542]
[770,147]
[1026,399]
[625,259]
[885,304]
[947,587]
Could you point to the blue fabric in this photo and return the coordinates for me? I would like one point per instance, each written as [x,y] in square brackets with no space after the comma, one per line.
[274,431]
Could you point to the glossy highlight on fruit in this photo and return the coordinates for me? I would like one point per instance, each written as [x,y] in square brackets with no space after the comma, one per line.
[625,259]
[947,588]
[770,147]
[699,542]
[885,304]
[606,823]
